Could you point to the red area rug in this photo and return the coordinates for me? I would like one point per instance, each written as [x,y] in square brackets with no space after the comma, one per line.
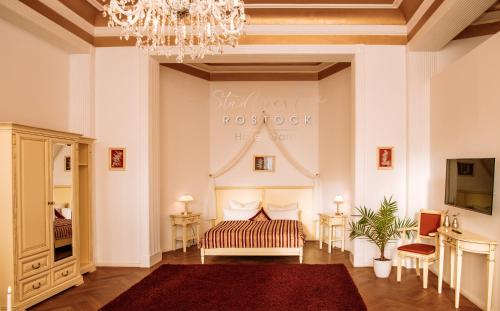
[243,287]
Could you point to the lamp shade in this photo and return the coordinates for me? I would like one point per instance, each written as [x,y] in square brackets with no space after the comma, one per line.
[338,199]
[186,198]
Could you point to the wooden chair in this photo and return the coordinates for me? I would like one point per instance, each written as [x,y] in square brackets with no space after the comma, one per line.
[428,223]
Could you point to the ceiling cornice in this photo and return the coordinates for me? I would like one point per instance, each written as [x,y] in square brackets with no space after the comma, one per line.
[257,76]
[479,30]
[387,26]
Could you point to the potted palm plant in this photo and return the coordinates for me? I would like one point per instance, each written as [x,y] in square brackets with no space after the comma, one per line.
[379,228]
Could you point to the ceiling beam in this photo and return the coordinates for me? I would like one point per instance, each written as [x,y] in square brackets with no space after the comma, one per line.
[445,23]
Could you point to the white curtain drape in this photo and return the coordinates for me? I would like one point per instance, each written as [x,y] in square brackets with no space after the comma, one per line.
[211,206]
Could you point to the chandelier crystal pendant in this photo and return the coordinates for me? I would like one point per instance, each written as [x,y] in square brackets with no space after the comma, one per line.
[167,27]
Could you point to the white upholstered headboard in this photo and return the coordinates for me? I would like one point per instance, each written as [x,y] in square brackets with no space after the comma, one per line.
[281,195]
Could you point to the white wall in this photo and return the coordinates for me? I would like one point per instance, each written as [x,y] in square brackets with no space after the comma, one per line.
[60,176]
[464,123]
[380,120]
[34,80]
[122,120]
[184,145]
[422,66]
[81,94]
[336,140]
[285,99]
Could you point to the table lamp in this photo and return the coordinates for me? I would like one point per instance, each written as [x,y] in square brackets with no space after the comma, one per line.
[186,199]
[338,200]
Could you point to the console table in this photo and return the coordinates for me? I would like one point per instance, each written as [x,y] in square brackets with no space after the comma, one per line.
[332,222]
[459,243]
[185,220]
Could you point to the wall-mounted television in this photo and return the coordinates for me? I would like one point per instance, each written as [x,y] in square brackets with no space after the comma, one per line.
[469,184]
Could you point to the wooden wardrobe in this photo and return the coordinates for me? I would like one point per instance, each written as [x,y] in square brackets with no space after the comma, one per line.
[46,240]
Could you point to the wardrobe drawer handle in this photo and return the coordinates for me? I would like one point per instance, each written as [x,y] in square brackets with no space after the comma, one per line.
[37,286]
[65,273]
[38,265]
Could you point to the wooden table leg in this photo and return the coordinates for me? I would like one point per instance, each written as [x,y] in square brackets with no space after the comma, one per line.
[320,235]
[184,238]
[342,231]
[173,237]
[441,263]
[491,267]
[459,277]
[197,234]
[330,239]
[452,267]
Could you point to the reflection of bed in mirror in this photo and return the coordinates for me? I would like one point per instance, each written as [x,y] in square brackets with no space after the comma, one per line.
[62,200]
[274,238]
[63,223]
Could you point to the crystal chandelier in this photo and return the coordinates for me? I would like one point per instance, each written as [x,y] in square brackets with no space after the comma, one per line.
[166,27]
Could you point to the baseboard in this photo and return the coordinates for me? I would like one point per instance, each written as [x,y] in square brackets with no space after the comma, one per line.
[155,258]
[464,292]
[120,264]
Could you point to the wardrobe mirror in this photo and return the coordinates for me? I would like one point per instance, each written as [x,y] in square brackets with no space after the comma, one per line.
[62,203]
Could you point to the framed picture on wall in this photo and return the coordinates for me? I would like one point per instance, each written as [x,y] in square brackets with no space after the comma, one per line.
[117,158]
[385,158]
[465,169]
[67,164]
[264,163]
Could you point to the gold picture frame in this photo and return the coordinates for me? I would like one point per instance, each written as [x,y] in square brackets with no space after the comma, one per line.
[67,163]
[117,158]
[385,158]
[264,163]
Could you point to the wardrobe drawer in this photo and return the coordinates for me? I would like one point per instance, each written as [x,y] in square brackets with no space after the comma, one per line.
[32,265]
[63,273]
[34,285]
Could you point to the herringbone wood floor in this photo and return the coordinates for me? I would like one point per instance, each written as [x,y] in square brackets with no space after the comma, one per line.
[103,285]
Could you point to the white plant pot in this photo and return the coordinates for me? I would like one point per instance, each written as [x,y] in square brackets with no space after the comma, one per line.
[382,268]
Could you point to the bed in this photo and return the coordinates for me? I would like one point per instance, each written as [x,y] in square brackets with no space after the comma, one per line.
[277,237]
[63,233]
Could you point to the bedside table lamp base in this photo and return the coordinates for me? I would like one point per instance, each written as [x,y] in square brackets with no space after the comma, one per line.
[186,199]
[338,212]
[186,211]
[338,200]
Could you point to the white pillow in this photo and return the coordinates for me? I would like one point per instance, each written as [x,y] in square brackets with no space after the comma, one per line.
[243,206]
[292,214]
[66,212]
[239,214]
[286,207]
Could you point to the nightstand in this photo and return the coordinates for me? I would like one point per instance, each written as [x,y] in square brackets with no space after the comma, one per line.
[332,222]
[185,221]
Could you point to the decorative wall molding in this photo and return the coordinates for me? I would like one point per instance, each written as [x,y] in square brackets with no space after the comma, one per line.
[154,162]
[258,76]
[332,70]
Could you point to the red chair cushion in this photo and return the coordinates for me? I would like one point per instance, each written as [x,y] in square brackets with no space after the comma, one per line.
[418,248]
[429,223]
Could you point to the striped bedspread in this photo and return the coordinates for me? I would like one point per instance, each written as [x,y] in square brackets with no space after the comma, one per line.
[62,229]
[255,234]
